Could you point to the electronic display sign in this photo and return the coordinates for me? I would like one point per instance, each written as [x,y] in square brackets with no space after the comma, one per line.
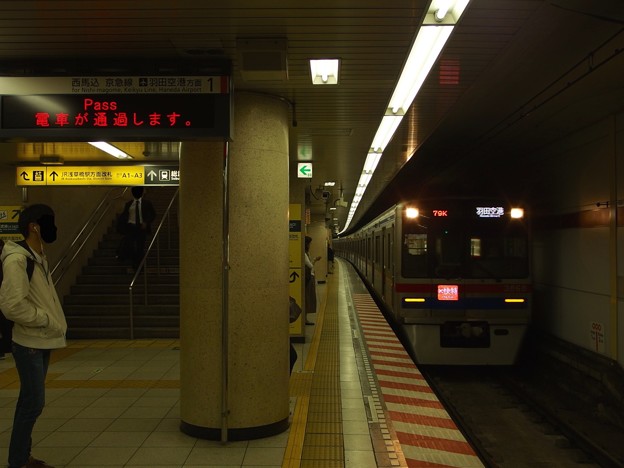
[490,211]
[448,292]
[88,117]
[115,108]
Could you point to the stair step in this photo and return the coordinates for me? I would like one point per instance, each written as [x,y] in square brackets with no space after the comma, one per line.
[117,322]
[152,280]
[111,251]
[77,310]
[94,299]
[121,288]
[124,270]
[122,333]
[151,261]
[98,306]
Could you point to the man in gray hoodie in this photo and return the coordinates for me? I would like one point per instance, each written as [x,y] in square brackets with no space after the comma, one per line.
[39,324]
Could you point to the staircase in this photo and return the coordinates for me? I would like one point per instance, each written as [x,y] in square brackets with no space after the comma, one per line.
[98,305]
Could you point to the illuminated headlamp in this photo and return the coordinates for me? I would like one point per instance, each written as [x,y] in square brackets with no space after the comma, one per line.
[411,213]
[517,213]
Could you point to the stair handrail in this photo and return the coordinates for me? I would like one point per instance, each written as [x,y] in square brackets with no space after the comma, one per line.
[156,239]
[79,241]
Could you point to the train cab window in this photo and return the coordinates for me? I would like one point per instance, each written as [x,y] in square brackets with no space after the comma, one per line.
[448,253]
[499,255]
[414,255]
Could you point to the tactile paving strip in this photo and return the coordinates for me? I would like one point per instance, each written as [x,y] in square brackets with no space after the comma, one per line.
[427,434]
[323,445]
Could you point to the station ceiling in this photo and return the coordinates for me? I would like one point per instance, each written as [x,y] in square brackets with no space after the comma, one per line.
[515,76]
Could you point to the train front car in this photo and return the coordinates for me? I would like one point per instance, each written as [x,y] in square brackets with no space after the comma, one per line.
[463,285]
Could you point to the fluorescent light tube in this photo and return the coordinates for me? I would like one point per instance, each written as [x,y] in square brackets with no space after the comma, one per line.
[371,162]
[385,132]
[424,53]
[110,149]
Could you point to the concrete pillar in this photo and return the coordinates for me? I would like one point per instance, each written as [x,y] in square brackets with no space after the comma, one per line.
[257,318]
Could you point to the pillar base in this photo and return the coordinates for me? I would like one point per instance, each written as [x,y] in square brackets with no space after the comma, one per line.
[246,433]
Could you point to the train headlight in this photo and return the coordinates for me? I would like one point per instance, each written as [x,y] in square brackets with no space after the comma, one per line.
[411,213]
[517,213]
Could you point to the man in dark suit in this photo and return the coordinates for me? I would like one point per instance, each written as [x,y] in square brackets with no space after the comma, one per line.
[139,215]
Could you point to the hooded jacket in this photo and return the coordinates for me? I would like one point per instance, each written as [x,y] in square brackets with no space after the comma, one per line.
[33,305]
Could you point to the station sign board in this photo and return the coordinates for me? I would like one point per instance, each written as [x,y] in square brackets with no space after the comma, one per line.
[9,217]
[116,108]
[153,175]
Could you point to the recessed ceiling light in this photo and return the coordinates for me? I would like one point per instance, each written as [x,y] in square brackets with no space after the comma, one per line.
[324,71]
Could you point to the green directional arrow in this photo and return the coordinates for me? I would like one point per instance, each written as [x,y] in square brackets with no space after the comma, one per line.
[305,170]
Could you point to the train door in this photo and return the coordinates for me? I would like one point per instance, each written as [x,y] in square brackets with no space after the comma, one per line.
[369,255]
[390,269]
[382,262]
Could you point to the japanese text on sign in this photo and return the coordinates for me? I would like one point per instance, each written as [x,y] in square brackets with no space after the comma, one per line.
[490,211]
[448,292]
[98,175]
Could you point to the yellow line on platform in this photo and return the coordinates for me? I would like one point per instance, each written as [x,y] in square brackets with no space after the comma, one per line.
[301,385]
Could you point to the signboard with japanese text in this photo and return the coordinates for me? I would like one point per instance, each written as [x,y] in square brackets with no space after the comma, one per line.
[179,84]
[97,175]
[295,254]
[9,229]
[115,108]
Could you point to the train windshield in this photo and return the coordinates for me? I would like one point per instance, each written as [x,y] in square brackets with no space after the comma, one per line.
[464,247]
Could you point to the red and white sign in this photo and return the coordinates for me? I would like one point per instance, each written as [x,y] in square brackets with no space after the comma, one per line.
[448,292]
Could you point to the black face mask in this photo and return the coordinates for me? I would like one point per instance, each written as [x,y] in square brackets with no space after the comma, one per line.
[48,229]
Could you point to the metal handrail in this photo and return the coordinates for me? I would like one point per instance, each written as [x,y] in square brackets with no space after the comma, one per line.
[79,241]
[155,238]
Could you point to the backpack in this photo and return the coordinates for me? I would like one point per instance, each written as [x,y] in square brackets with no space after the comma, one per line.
[6,325]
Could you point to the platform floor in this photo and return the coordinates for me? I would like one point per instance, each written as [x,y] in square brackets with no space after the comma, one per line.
[356,400]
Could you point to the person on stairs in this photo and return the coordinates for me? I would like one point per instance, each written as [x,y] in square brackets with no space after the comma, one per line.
[139,215]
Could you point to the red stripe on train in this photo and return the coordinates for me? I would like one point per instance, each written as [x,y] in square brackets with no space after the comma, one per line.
[504,288]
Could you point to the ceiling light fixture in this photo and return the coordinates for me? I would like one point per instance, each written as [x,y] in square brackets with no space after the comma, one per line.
[110,149]
[324,71]
[435,30]
[51,160]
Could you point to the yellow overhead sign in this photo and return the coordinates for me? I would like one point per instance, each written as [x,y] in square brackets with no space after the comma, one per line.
[97,175]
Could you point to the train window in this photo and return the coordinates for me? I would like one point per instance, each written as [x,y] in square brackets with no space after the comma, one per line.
[448,253]
[502,253]
[463,248]
[414,255]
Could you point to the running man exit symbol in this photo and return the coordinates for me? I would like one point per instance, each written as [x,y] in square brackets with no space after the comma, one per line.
[304,170]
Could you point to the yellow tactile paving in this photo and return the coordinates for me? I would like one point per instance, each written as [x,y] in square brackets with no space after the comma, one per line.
[315,438]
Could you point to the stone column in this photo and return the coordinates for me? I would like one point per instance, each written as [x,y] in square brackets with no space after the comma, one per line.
[257,319]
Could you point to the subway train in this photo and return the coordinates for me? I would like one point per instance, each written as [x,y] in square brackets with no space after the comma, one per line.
[454,274]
